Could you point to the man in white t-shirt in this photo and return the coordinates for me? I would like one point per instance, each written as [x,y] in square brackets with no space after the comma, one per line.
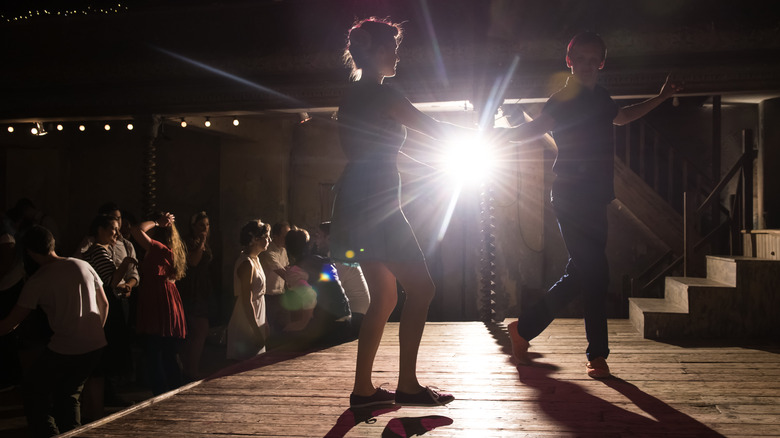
[274,262]
[71,294]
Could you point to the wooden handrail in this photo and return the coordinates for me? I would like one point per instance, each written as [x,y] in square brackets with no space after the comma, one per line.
[693,182]
[648,153]
[663,273]
[725,180]
[658,262]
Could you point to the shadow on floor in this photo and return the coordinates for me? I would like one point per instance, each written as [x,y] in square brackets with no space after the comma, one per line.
[575,409]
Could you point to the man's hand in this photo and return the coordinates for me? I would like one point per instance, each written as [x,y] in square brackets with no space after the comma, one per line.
[670,87]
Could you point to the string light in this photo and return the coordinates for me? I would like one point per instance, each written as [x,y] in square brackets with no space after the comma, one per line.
[39,130]
[89,10]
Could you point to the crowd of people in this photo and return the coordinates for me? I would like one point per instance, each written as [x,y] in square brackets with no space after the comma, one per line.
[69,326]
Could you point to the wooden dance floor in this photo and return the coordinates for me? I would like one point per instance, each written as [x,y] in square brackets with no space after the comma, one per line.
[660,389]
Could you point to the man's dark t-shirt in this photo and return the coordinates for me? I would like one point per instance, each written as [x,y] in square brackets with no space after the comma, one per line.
[583,133]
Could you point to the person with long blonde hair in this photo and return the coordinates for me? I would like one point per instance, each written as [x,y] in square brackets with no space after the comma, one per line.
[160,315]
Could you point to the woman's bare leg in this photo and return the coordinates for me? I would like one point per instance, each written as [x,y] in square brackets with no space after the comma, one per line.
[384,296]
[416,282]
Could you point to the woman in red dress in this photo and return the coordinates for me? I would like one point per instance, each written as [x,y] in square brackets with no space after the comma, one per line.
[160,317]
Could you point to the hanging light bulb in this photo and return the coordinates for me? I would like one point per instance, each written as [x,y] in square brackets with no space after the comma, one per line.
[129,126]
[38,129]
[60,127]
[235,122]
[207,123]
[10,129]
[183,123]
[107,127]
[82,128]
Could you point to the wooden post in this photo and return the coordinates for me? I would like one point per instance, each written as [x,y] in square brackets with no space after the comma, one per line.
[689,233]
[642,155]
[149,196]
[656,161]
[747,172]
[716,151]
[670,189]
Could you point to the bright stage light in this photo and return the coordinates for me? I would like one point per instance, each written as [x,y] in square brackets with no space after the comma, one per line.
[469,161]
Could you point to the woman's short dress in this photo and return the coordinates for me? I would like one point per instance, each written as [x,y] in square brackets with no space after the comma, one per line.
[368,222]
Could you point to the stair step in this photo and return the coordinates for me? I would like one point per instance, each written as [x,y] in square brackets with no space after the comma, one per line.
[657,318]
[740,297]
[657,305]
[722,269]
[680,291]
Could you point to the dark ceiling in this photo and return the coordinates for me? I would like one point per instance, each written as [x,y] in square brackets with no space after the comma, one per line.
[117,58]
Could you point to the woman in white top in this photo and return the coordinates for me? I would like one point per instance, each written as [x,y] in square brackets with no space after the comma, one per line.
[247,331]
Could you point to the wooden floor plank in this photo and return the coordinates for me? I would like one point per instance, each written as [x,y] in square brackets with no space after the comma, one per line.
[660,389]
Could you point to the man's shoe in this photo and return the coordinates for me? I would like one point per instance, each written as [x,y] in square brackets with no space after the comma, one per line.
[598,368]
[380,397]
[427,397]
[519,345]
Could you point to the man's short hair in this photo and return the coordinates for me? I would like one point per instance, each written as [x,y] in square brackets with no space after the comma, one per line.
[38,240]
[325,228]
[108,208]
[276,229]
[587,38]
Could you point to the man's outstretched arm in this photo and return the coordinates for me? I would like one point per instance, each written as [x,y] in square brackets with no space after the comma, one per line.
[633,112]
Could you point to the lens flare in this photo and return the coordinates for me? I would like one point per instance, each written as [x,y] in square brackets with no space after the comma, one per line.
[469,161]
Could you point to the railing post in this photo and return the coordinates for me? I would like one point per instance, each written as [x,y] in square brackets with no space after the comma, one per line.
[642,154]
[670,188]
[716,153]
[656,161]
[747,174]
[689,233]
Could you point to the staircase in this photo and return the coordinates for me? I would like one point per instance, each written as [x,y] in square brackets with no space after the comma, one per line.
[740,297]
